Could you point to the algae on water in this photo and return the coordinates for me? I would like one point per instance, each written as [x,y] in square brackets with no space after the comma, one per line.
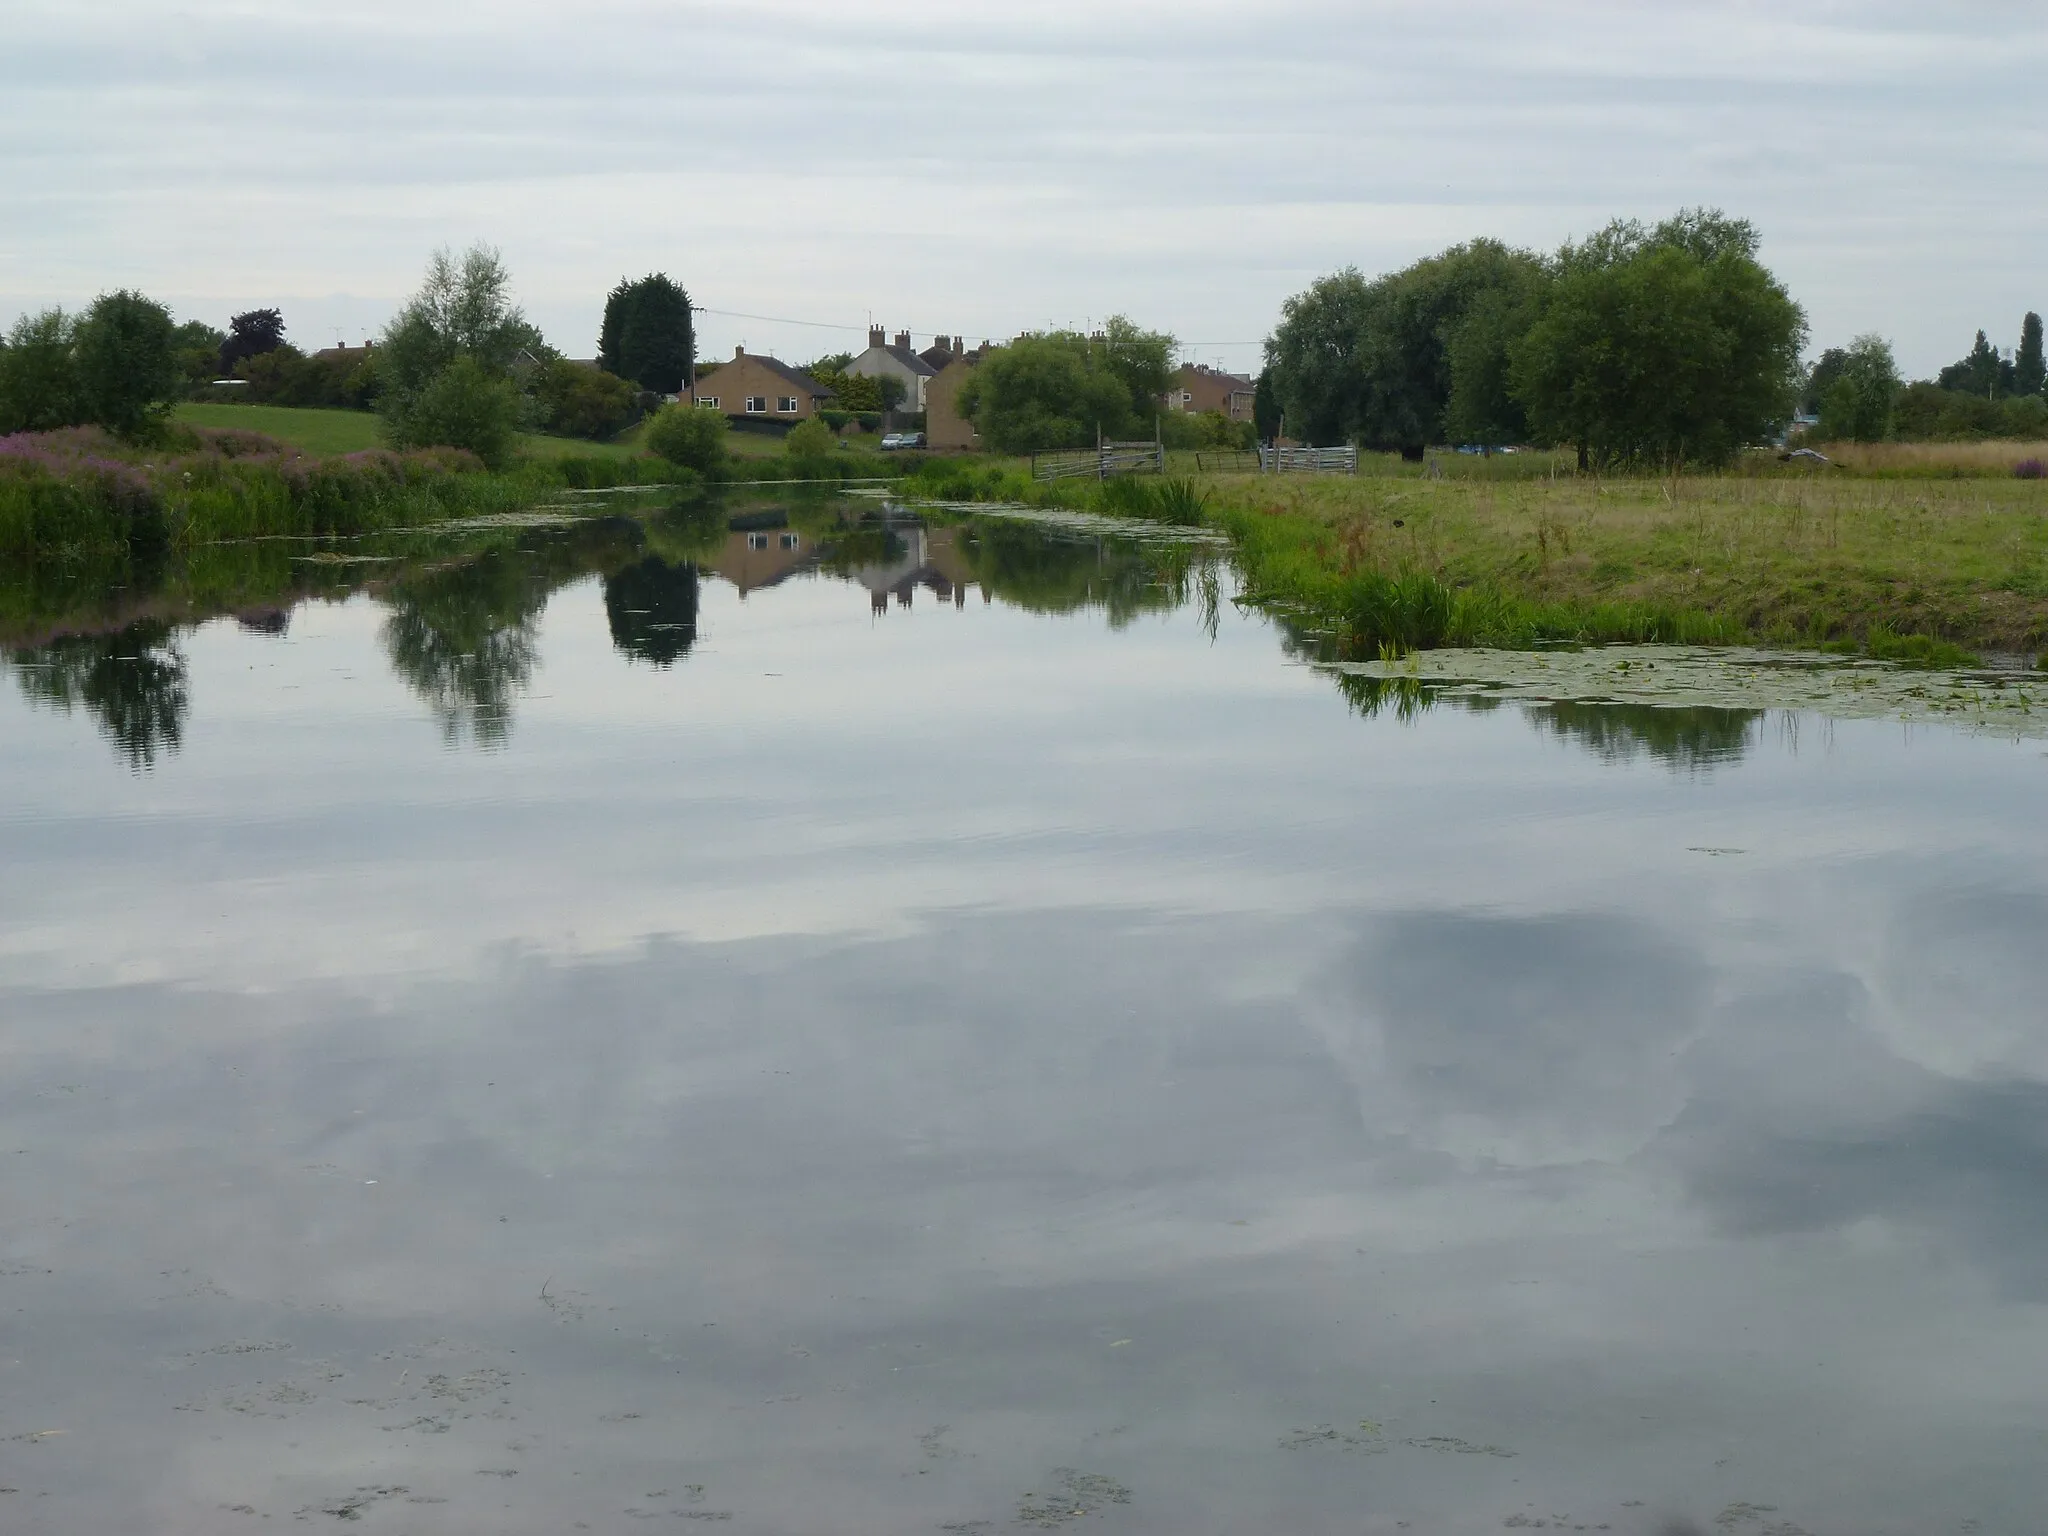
[1730,678]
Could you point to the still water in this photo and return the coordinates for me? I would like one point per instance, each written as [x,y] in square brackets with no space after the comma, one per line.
[815,1029]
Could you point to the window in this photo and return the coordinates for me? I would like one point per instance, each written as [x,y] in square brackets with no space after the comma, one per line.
[709,402]
[757,405]
[1186,398]
[787,405]
[788,541]
[757,541]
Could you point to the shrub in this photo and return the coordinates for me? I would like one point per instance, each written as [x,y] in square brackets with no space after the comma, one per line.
[690,437]
[577,400]
[2030,469]
[128,374]
[38,376]
[810,440]
[465,406]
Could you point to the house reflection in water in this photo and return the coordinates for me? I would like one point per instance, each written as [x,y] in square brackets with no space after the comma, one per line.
[752,558]
[918,557]
[890,557]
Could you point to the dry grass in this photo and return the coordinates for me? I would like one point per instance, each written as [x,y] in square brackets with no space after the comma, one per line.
[1969,460]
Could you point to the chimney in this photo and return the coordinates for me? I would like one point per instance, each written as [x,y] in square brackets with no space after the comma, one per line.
[738,353]
[877,336]
[903,340]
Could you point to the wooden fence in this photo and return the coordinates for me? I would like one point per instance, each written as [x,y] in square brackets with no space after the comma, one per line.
[1226,461]
[1101,462]
[1308,461]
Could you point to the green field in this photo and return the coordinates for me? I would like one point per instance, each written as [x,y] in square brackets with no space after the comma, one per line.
[329,431]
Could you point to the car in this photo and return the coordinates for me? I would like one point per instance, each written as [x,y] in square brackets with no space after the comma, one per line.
[894,440]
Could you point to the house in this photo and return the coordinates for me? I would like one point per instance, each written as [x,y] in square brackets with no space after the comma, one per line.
[944,427]
[1197,387]
[752,387]
[884,360]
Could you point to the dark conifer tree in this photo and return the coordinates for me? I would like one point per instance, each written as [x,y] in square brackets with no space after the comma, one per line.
[647,336]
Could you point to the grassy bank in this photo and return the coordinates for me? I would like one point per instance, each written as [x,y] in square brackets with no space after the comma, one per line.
[1907,556]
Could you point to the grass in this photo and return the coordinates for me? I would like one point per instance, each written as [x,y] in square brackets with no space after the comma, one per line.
[1918,569]
[1920,553]
[308,430]
[317,431]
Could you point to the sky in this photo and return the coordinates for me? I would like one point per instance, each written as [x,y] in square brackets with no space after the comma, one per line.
[806,168]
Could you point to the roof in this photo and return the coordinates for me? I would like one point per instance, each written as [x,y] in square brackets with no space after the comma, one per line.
[906,357]
[795,376]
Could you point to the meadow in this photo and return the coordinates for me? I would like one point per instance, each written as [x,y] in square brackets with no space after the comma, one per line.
[1919,552]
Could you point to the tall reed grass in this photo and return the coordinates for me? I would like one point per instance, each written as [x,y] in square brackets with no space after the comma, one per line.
[78,492]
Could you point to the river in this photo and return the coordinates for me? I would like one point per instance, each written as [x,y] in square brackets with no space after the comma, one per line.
[785,1022]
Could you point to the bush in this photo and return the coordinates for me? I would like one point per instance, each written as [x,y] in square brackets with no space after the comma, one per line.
[689,436]
[2030,469]
[810,440]
[577,400]
[465,406]
[38,376]
[126,354]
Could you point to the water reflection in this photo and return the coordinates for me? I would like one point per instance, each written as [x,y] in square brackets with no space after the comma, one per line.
[132,682]
[1687,738]
[463,630]
[466,640]
[651,606]
[1682,738]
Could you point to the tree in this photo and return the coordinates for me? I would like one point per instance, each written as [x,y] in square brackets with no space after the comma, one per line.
[577,400]
[647,336]
[1379,361]
[38,375]
[127,361]
[1663,346]
[1862,396]
[251,334]
[1821,377]
[1265,407]
[688,436]
[2029,366]
[463,314]
[198,347]
[1981,372]
[1141,360]
[1061,389]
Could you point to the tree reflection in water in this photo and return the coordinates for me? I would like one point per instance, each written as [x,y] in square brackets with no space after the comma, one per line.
[132,682]
[652,608]
[466,639]
[1683,738]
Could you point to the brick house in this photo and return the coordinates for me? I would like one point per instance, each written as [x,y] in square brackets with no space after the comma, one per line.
[752,387]
[1196,387]
[944,426]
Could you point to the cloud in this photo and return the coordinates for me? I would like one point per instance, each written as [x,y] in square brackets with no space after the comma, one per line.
[984,168]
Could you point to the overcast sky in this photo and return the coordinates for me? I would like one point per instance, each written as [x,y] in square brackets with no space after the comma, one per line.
[981,168]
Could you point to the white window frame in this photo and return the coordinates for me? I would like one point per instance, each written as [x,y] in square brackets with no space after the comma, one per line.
[757,541]
[787,540]
[709,402]
[757,405]
[786,405]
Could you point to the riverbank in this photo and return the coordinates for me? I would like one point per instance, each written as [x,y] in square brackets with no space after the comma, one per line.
[1908,567]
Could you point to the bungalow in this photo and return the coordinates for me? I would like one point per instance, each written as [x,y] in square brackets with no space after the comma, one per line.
[1197,387]
[885,361]
[751,387]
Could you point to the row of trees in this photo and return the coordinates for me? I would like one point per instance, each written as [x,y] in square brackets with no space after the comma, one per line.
[1662,344]
[1857,393]
[120,365]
